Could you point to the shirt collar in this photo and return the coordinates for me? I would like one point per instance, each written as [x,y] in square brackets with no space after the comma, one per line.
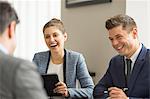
[135,55]
[3,49]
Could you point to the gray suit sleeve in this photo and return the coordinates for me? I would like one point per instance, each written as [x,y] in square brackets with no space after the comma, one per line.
[85,81]
[28,83]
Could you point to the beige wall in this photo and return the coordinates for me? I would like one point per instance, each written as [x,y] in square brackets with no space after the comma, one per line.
[87,33]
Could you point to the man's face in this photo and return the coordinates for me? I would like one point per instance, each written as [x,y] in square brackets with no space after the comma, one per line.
[123,42]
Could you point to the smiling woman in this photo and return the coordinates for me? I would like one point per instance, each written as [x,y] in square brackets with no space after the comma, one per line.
[77,3]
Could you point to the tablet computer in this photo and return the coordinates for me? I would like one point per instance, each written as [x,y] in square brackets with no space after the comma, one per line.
[49,81]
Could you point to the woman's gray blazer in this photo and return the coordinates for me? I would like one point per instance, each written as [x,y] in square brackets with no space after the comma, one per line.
[74,68]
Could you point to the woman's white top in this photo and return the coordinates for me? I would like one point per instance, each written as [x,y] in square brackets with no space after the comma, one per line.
[56,69]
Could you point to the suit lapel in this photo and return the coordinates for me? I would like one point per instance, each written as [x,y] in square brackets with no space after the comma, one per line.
[136,69]
[46,62]
[64,65]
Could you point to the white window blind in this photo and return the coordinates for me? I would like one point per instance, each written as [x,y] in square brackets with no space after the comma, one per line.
[33,14]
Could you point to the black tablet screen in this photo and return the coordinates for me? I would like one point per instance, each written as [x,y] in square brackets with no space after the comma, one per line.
[49,83]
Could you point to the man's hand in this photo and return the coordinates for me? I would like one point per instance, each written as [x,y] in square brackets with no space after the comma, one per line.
[62,89]
[116,93]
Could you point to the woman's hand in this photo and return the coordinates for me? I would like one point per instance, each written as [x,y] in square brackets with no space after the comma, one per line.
[62,89]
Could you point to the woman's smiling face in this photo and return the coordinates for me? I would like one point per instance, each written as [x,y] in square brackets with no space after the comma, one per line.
[54,38]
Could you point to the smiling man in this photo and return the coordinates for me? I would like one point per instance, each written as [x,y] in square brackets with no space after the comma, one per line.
[128,73]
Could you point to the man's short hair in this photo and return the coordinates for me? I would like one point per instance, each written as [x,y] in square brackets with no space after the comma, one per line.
[7,15]
[125,21]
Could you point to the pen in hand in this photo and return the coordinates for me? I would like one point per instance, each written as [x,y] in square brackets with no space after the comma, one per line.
[107,91]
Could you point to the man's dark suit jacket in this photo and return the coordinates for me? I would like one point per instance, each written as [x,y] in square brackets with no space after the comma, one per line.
[139,82]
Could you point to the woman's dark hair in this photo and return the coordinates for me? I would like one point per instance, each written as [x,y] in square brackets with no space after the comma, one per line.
[7,15]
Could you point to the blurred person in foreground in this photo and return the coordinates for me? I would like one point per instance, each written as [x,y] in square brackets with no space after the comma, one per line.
[127,76]
[69,65]
[19,79]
